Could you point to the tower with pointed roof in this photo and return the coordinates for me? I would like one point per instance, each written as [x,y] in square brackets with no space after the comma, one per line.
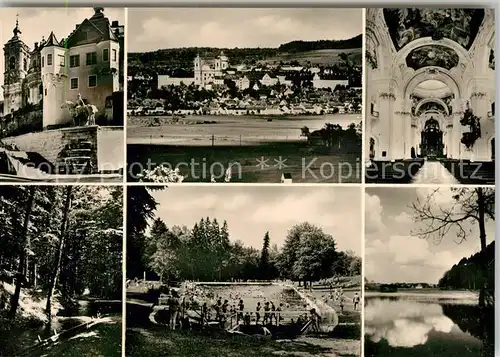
[16,60]
[54,79]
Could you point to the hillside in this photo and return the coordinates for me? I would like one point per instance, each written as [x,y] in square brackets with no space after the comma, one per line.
[323,53]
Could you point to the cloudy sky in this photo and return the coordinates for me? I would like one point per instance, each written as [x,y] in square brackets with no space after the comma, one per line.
[37,22]
[252,211]
[392,254]
[152,29]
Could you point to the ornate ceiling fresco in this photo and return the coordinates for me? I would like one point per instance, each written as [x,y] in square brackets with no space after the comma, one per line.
[459,25]
[432,55]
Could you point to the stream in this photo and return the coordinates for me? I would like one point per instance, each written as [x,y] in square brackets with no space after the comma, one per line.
[22,340]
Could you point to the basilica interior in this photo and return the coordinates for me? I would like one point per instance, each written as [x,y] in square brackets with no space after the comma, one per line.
[430,94]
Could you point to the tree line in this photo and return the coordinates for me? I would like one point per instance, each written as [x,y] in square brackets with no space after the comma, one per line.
[303,46]
[61,240]
[179,61]
[205,252]
[468,274]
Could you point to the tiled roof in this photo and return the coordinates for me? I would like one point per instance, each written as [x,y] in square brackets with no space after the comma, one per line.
[93,30]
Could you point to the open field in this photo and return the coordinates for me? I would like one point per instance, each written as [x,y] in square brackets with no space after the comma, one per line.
[228,130]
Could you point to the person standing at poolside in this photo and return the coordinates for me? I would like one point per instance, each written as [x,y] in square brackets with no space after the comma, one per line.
[173,307]
[341,302]
[241,307]
[278,314]
[267,315]
[356,300]
[257,313]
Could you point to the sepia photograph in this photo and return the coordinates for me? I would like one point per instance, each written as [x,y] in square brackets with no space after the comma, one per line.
[430,96]
[429,272]
[233,271]
[244,95]
[61,98]
[61,271]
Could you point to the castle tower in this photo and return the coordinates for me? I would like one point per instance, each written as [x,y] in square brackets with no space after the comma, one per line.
[16,60]
[197,70]
[54,75]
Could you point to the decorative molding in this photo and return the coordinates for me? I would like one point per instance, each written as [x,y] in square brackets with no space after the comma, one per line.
[386,95]
[478,95]
[402,113]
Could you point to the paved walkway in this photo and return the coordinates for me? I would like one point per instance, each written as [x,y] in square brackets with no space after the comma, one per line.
[433,172]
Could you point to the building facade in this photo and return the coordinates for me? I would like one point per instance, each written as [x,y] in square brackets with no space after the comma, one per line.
[206,70]
[86,64]
[427,69]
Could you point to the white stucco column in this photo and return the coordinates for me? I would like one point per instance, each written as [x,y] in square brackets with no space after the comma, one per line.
[456,148]
[408,133]
[386,124]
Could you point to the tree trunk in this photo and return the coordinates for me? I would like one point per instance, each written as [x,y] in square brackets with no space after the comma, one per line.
[482,238]
[22,255]
[34,276]
[57,267]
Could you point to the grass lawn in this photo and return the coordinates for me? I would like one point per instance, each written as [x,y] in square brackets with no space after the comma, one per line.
[160,342]
[106,343]
[298,159]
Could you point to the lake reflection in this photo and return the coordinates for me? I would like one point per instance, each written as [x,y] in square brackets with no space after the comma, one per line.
[408,327]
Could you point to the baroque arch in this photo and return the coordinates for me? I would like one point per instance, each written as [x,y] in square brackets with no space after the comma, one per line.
[436,73]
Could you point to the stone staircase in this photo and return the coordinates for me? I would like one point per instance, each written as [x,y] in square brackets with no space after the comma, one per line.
[77,157]
[466,172]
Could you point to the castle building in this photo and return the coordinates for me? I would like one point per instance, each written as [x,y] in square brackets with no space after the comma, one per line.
[87,63]
[207,70]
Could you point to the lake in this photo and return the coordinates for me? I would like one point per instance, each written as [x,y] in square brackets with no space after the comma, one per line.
[429,324]
[228,129]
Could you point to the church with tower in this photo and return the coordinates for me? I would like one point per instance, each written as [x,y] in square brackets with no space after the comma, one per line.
[87,63]
[210,70]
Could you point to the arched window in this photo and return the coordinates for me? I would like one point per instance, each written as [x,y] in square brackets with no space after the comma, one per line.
[25,64]
[12,63]
[493,149]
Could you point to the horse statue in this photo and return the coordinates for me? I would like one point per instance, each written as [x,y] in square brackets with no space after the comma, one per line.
[81,111]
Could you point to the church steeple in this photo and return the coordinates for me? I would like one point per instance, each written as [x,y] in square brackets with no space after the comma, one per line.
[16,30]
